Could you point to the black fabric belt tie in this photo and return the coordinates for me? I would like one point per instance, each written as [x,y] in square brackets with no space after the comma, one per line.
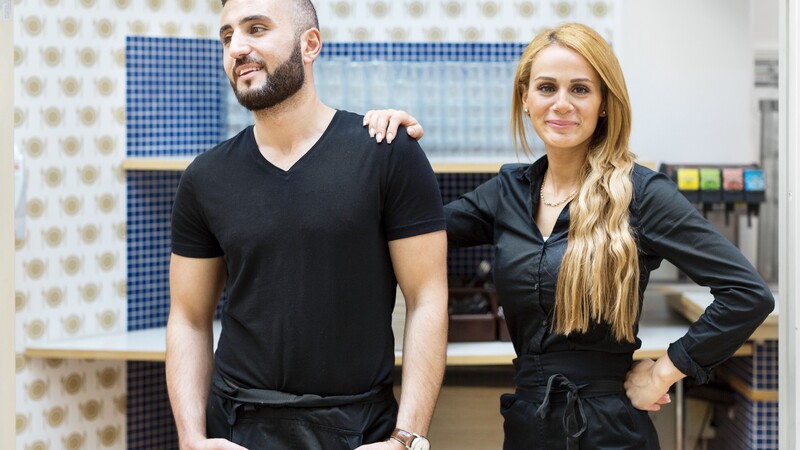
[574,419]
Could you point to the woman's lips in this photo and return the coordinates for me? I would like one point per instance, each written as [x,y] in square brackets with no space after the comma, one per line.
[561,124]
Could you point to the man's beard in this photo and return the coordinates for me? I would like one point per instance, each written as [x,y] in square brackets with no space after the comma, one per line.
[287,79]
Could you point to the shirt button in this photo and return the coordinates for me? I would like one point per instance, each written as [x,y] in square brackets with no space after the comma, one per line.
[544,322]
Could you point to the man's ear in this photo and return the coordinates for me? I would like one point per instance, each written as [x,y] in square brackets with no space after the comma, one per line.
[310,44]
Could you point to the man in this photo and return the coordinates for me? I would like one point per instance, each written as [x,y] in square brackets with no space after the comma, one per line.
[308,225]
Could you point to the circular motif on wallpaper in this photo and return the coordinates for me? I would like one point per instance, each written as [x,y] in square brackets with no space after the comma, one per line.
[107,319]
[87,56]
[36,329]
[20,301]
[186,5]
[91,409]
[170,29]
[434,34]
[415,9]
[525,9]
[53,176]
[19,116]
[108,435]
[37,389]
[89,292]
[54,363]
[599,9]
[35,208]
[87,3]
[119,115]
[122,288]
[342,9]
[508,34]
[452,8]
[107,377]
[52,116]
[88,115]
[21,423]
[89,233]
[37,445]
[70,86]
[53,236]
[19,55]
[88,174]
[105,86]
[471,34]
[106,203]
[71,145]
[360,34]
[121,230]
[379,8]
[155,5]
[35,268]
[215,6]
[119,57]
[33,86]
[74,441]
[71,205]
[104,27]
[122,4]
[73,383]
[72,324]
[562,9]
[201,30]
[490,9]
[72,264]
[34,147]
[52,56]
[20,362]
[106,144]
[121,403]
[398,34]
[53,296]
[55,416]
[32,25]
[19,243]
[106,261]
[70,26]
[51,3]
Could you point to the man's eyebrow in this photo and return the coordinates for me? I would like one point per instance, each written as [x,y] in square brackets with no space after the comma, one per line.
[253,18]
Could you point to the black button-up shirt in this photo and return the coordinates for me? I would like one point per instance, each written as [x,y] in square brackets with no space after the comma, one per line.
[666,226]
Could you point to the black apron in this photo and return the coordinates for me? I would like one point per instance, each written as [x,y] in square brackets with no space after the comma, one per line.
[265,419]
[574,400]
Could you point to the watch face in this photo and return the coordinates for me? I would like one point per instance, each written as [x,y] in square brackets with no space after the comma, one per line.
[420,443]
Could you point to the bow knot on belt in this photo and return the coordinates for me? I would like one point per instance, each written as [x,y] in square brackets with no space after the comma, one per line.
[574,419]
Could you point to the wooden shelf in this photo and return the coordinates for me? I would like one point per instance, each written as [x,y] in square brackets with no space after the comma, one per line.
[658,328]
[179,164]
[692,304]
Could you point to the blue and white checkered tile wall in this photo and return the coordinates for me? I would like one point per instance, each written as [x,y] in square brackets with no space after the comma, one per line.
[759,371]
[751,425]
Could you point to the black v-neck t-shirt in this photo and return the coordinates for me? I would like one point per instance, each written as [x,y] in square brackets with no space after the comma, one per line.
[310,281]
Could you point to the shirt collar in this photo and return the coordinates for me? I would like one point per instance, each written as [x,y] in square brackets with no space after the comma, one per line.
[534,171]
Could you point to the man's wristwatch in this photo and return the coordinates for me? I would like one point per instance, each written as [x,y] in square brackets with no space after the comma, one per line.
[412,441]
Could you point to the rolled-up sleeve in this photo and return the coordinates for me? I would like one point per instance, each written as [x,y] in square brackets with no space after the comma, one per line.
[671,228]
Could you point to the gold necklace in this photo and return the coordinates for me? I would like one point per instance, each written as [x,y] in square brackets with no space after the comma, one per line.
[558,203]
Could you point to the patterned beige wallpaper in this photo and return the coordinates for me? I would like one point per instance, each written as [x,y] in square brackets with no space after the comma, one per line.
[69,118]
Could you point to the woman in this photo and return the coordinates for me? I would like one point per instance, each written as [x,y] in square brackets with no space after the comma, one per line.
[577,234]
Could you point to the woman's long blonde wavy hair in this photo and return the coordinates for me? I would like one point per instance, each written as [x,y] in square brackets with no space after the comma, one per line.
[599,275]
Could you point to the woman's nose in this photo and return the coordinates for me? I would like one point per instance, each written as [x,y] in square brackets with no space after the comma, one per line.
[562,103]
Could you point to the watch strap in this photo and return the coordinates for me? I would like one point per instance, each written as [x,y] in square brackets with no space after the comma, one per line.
[404,437]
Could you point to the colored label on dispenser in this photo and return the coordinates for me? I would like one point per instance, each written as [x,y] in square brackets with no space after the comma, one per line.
[688,179]
[732,179]
[710,179]
[754,180]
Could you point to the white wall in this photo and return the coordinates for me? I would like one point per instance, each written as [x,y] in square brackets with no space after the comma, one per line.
[764,26]
[689,69]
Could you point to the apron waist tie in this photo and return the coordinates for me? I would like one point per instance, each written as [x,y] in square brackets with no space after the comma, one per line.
[574,419]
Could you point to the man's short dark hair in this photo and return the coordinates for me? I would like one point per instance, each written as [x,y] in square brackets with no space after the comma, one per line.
[305,15]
